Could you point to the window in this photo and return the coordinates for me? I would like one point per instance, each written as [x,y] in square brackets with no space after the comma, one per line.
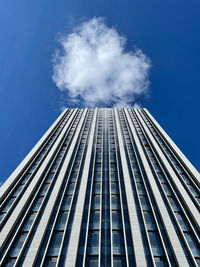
[70,188]
[192,244]
[185,178]
[24,180]
[113,167]
[119,261]
[174,204]
[18,245]
[92,261]
[115,202]
[155,244]
[55,243]
[98,167]
[116,220]
[149,220]
[1,216]
[135,167]
[161,177]
[54,167]
[141,189]
[37,204]
[113,176]
[182,222]
[61,222]
[58,159]
[178,168]
[114,188]
[49,177]
[167,189]
[160,262]
[138,177]
[93,242]
[144,203]
[76,167]
[50,262]
[44,189]
[94,219]
[193,190]
[96,188]
[97,176]
[73,177]
[118,242]
[10,262]
[17,191]
[29,221]
[156,166]
[95,202]
[66,203]
[32,168]
[8,205]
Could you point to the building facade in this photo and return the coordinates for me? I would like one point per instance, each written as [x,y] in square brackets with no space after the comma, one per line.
[102,187]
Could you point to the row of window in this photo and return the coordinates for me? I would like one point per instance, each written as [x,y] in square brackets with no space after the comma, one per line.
[183,175]
[150,224]
[26,177]
[36,206]
[58,226]
[169,193]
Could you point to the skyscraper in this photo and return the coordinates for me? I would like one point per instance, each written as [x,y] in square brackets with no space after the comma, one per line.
[102,187]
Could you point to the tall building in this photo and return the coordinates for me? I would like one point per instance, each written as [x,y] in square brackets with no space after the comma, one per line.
[102,187]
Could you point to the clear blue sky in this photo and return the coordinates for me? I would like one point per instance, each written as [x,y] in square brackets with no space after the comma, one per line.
[166,31]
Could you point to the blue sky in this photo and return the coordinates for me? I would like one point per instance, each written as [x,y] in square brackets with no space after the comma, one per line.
[166,31]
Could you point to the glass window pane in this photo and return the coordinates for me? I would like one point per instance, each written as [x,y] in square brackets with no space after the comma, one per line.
[17,191]
[49,177]
[61,222]
[96,188]
[95,202]
[182,222]
[97,176]
[18,245]
[94,219]
[161,177]
[149,220]
[70,188]
[29,222]
[92,261]
[174,204]
[113,176]
[118,242]
[119,261]
[155,244]
[138,177]
[55,243]
[8,205]
[192,244]
[66,203]
[50,262]
[141,189]
[114,188]
[93,242]
[43,190]
[167,190]
[116,220]
[144,203]
[160,262]
[10,262]
[26,177]
[115,202]
[37,204]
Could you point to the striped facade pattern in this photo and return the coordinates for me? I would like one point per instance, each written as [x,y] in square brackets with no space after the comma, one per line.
[102,187]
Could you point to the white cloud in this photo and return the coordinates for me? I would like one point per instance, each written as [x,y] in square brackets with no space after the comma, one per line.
[94,67]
